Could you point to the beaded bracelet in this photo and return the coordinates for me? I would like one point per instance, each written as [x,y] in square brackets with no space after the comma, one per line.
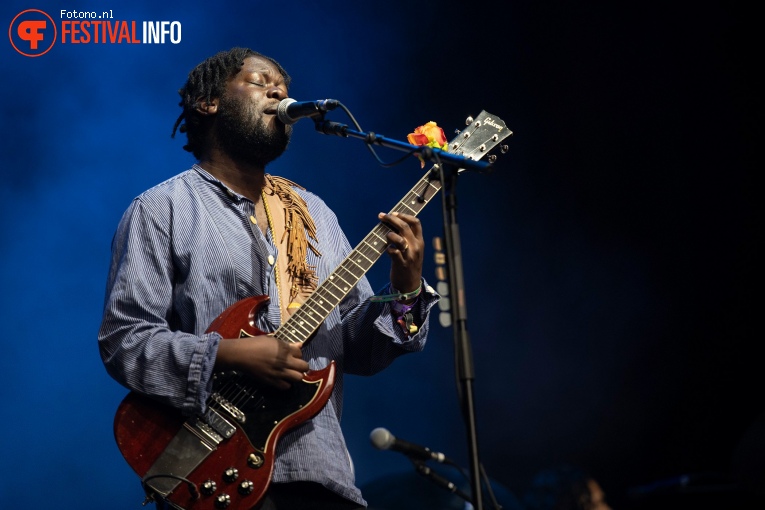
[400,296]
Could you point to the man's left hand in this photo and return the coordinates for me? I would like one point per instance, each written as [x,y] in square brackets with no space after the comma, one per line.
[406,250]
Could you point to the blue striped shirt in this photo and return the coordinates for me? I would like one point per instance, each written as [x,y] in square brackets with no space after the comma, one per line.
[183,252]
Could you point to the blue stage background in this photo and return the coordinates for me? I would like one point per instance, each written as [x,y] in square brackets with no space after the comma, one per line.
[609,258]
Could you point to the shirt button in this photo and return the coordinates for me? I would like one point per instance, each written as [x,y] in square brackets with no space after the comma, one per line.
[271,260]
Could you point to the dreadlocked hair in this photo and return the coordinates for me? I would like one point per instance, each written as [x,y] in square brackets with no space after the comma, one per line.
[204,83]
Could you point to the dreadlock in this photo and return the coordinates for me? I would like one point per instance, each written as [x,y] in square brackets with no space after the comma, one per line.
[206,82]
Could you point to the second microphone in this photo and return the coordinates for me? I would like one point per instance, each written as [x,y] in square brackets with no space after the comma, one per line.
[382,439]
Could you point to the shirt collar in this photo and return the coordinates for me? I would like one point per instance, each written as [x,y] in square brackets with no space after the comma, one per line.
[217,182]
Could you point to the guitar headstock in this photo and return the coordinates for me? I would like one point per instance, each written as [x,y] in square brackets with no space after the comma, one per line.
[481,135]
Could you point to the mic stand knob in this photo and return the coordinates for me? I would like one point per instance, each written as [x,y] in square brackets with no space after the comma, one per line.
[331,128]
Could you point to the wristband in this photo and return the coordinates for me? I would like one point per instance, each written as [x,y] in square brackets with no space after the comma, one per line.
[399,296]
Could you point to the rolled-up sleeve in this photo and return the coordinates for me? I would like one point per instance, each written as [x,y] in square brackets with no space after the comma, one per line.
[137,344]
[374,338]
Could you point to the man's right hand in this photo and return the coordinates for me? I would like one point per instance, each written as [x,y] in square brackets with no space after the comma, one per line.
[267,359]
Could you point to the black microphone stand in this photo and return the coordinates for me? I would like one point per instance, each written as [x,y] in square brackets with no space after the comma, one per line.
[462,348]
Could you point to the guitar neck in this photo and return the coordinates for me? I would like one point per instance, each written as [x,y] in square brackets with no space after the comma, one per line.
[307,319]
[480,136]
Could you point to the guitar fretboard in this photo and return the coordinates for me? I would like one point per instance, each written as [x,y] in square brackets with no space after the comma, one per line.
[307,319]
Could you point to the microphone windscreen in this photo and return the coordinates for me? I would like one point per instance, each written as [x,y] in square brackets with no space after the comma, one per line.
[381,438]
[281,110]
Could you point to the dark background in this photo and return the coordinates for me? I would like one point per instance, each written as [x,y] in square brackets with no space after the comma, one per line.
[610,258]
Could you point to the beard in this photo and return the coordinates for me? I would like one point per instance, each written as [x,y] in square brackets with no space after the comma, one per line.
[243,134]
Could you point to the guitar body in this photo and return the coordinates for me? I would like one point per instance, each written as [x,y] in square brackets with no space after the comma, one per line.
[147,431]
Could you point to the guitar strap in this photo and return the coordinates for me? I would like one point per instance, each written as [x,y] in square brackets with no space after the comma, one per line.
[292,229]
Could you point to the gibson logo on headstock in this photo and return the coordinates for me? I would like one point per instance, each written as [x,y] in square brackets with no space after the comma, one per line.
[491,122]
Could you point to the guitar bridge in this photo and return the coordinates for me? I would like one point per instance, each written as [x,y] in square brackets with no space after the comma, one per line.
[227,406]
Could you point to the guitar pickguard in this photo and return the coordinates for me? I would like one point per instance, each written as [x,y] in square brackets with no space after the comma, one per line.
[264,408]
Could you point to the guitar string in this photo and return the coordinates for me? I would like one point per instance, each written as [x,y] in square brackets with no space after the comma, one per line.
[235,391]
[324,292]
[297,320]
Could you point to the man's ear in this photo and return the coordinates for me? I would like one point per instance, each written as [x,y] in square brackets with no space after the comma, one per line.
[206,108]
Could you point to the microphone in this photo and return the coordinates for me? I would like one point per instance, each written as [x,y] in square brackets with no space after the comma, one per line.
[382,439]
[290,111]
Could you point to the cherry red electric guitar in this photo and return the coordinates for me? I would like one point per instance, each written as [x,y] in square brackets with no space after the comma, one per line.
[225,458]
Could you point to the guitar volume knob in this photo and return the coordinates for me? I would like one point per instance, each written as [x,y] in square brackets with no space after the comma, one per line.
[246,487]
[209,487]
[222,501]
[231,474]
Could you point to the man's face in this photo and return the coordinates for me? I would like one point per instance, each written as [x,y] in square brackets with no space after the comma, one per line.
[247,127]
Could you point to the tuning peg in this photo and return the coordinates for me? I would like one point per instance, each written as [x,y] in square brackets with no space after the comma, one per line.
[492,158]
[503,149]
[469,121]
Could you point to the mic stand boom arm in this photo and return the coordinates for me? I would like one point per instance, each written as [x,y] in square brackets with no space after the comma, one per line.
[434,155]
[462,348]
